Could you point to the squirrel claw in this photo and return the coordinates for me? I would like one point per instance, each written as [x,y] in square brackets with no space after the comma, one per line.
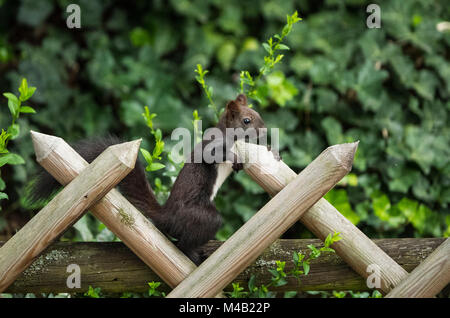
[276,154]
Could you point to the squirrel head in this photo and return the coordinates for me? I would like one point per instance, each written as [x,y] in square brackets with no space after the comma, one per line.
[237,114]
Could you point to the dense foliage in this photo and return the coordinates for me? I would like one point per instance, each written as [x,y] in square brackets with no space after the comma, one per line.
[340,81]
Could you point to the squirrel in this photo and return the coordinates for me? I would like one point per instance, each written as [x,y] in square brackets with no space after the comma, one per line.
[189,214]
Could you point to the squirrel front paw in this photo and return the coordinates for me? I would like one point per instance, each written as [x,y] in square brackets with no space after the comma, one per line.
[276,154]
[238,166]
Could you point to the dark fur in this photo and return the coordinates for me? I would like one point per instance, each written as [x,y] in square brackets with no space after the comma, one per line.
[188,215]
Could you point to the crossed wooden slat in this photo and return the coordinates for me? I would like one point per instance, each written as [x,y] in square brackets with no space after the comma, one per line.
[300,200]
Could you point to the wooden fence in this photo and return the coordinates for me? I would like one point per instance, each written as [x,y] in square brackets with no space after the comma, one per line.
[114,268]
[295,197]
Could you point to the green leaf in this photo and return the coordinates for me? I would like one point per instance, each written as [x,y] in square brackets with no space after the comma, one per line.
[3,149]
[327,241]
[12,108]
[274,273]
[23,89]
[267,48]
[280,282]
[3,196]
[2,184]
[11,96]
[147,156]
[158,134]
[12,159]
[306,267]
[27,109]
[340,200]
[296,258]
[93,292]
[382,208]
[226,54]
[13,103]
[282,47]
[327,249]
[14,131]
[155,166]
[251,283]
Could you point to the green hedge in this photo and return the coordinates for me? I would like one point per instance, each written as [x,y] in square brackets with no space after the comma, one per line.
[340,82]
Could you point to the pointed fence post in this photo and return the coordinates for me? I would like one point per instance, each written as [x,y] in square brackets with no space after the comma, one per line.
[65,208]
[117,213]
[244,246]
[356,249]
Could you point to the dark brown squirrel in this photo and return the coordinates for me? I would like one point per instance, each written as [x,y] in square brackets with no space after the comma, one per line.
[189,215]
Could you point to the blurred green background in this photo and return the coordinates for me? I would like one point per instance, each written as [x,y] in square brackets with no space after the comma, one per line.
[340,82]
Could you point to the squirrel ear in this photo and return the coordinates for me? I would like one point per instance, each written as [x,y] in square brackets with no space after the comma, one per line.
[232,110]
[241,100]
[232,106]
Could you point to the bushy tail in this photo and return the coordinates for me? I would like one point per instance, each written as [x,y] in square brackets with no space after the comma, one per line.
[134,186]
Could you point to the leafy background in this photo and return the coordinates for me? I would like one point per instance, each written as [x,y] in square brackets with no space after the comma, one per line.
[340,82]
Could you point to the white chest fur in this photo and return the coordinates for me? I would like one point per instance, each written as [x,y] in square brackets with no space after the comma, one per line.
[223,171]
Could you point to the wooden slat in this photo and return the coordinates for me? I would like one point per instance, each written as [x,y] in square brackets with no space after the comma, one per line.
[65,208]
[427,279]
[323,218]
[268,224]
[116,269]
[118,215]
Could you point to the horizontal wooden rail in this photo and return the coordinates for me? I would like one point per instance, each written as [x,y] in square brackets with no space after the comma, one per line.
[115,269]
[427,279]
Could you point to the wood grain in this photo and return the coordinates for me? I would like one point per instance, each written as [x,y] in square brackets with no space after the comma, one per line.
[114,268]
[323,218]
[283,210]
[117,214]
[65,208]
[427,279]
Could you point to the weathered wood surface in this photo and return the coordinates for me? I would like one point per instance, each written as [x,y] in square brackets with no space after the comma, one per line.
[322,218]
[268,224]
[118,215]
[427,279]
[116,269]
[65,208]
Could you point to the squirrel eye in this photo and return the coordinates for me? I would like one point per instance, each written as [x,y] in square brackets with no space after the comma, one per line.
[246,121]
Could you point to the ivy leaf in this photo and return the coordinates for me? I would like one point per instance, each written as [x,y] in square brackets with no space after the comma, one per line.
[382,208]
[339,198]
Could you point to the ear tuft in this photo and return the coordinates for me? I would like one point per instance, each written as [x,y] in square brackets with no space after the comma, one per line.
[241,100]
[232,106]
